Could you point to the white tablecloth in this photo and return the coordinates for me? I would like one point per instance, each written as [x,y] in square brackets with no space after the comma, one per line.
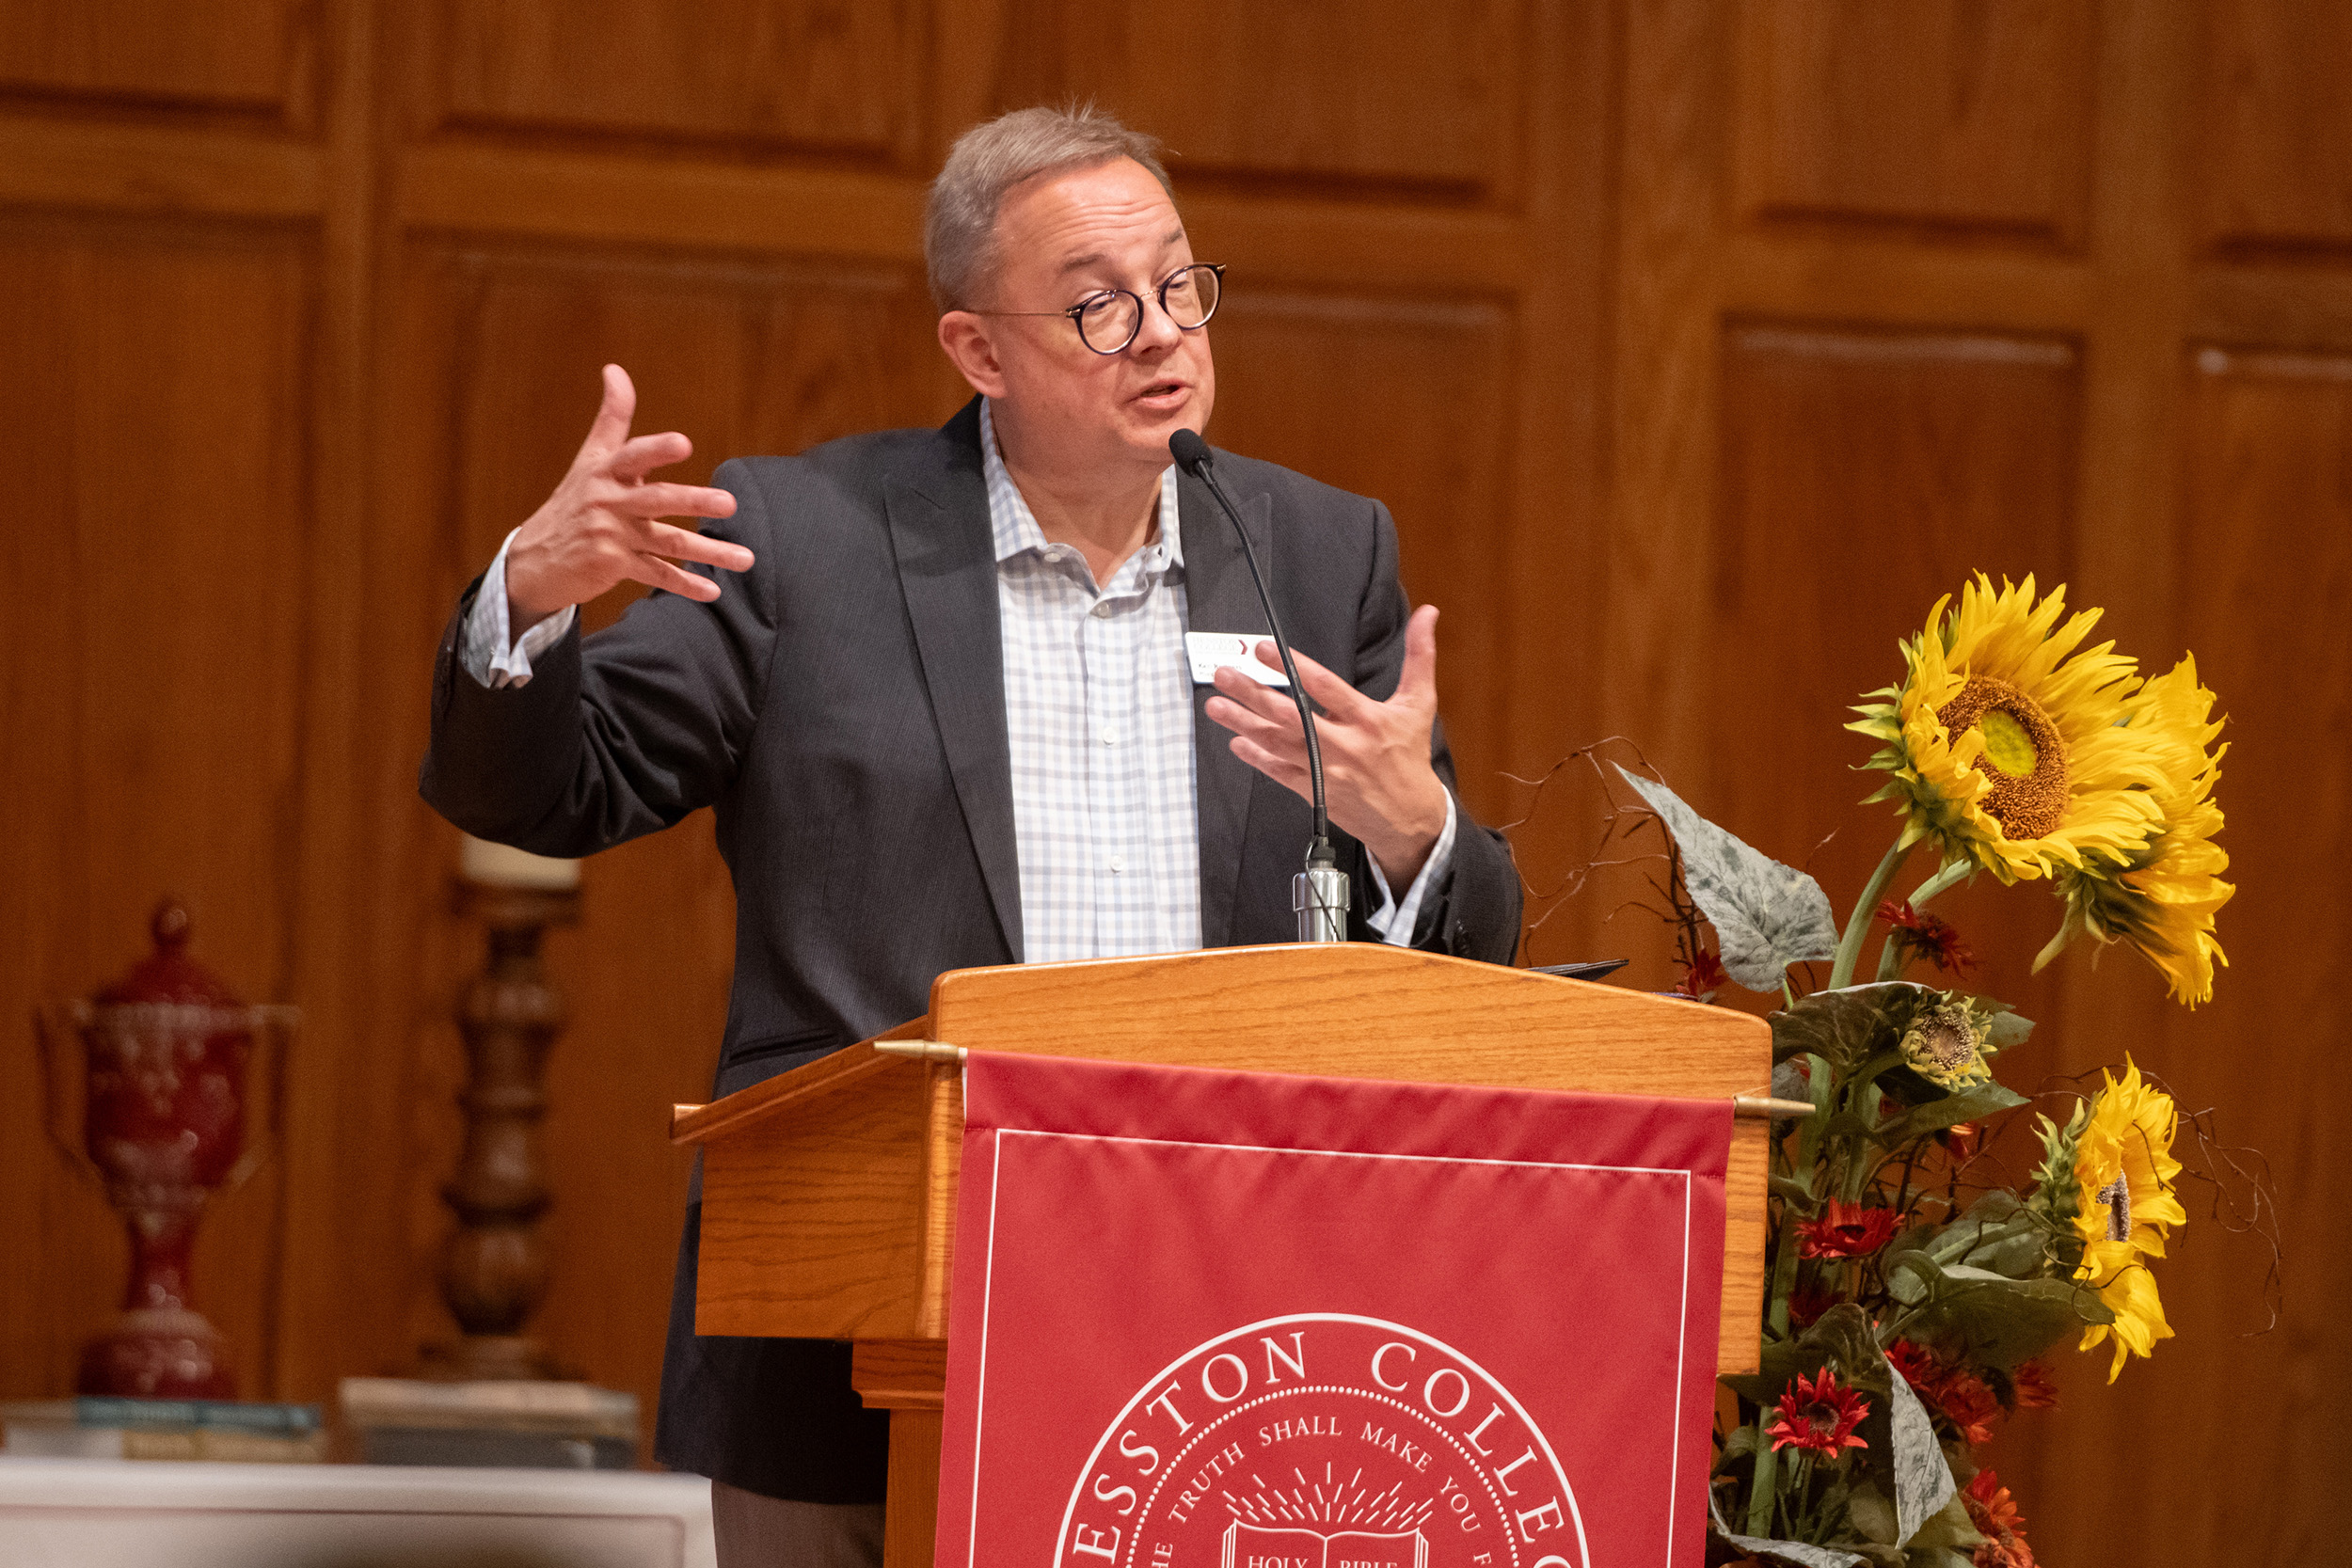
[127,1514]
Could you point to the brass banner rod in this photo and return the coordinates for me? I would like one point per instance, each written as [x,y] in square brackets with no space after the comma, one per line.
[1749,1107]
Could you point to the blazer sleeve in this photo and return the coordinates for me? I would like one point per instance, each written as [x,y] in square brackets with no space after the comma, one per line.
[1474,910]
[619,733]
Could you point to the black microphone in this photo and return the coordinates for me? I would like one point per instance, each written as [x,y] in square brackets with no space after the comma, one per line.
[1321,894]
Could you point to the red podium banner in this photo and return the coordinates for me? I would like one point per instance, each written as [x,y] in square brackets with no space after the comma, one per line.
[1215,1319]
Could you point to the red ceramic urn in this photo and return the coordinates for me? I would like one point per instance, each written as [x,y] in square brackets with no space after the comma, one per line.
[164,1063]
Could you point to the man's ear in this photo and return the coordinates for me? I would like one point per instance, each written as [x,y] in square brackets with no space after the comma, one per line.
[965,339]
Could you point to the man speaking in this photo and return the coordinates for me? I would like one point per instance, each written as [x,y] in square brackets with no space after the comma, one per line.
[935,685]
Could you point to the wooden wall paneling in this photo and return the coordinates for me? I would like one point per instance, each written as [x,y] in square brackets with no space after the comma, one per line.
[2137,313]
[157,404]
[2276,162]
[1551,550]
[1662,443]
[251,55]
[2265,535]
[1956,115]
[742,77]
[1407,401]
[341,1286]
[1400,100]
[1865,475]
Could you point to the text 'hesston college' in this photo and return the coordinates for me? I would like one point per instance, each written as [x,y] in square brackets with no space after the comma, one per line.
[1431,1421]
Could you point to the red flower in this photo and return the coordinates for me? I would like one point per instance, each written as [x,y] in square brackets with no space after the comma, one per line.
[1701,977]
[1927,936]
[1921,1370]
[2031,1387]
[1969,1406]
[1819,1417]
[1961,1139]
[1994,1513]
[1847,1231]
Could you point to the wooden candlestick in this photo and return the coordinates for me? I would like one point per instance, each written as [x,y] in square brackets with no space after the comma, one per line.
[494,1268]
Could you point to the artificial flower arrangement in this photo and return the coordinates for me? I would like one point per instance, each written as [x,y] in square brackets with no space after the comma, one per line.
[1907,1307]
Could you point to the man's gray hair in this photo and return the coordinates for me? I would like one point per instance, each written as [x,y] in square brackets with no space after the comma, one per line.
[989,160]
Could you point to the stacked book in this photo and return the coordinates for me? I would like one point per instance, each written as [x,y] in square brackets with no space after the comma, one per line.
[539,1425]
[106,1428]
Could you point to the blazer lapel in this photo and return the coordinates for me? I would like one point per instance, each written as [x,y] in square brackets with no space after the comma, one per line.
[939,531]
[1219,598]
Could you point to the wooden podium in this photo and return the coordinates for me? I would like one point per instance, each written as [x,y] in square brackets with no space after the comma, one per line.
[828,1193]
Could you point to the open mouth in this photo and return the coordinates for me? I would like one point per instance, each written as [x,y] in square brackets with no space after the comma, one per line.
[1161,389]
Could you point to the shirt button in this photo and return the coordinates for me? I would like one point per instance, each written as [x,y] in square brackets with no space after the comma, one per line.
[1102,609]
[1110,738]
[1119,862]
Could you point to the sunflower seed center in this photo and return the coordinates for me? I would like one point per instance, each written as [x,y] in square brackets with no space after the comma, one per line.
[2025,753]
[2116,1197]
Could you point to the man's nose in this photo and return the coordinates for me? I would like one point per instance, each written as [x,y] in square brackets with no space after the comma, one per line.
[1159,331]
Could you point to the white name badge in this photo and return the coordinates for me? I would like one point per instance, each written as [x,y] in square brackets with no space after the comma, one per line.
[1212,651]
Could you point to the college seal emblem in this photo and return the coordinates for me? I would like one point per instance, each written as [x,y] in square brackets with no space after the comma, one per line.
[1322,1440]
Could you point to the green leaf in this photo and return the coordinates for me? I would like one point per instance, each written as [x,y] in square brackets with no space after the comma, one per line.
[1767,916]
[1849,1025]
[1973,1103]
[1949,1527]
[1780,1360]
[1999,1234]
[1938,1557]
[1795,1189]
[2004,1025]
[1843,1336]
[1923,1477]
[1872,1513]
[2003,1321]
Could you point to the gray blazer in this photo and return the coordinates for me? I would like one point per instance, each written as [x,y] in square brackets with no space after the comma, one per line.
[840,707]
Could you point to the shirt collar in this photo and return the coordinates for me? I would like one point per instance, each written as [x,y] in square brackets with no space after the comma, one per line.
[1014,527]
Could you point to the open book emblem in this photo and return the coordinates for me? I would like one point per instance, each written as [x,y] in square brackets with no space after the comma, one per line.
[1257,1546]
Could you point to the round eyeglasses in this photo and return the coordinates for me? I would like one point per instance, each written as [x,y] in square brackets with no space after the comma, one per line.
[1109,319]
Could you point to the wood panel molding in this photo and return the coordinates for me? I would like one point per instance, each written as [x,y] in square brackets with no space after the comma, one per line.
[2275,156]
[599,199]
[133,56]
[1413,104]
[743,80]
[575,197]
[1777,272]
[144,169]
[1953,119]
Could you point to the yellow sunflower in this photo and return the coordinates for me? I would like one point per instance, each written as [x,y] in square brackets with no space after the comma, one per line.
[2125,1208]
[2006,741]
[2160,900]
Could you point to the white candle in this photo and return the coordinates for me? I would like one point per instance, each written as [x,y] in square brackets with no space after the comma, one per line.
[490,864]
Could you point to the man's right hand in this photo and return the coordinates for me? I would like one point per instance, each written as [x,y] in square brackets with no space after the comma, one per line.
[600,526]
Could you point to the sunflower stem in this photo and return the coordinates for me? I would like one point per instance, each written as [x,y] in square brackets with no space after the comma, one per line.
[1948,876]
[1891,959]
[1761,1491]
[1864,910]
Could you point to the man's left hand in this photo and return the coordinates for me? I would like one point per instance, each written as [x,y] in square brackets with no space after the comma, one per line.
[1378,781]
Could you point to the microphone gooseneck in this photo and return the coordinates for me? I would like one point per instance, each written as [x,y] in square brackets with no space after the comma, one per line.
[1321,894]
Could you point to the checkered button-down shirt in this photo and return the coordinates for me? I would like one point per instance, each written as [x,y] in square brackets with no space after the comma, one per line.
[1098,712]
